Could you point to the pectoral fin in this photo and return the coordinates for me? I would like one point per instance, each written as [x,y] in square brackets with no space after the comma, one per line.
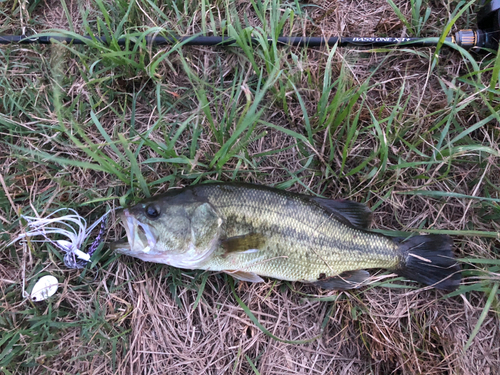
[248,243]
[344,281]
[246,276]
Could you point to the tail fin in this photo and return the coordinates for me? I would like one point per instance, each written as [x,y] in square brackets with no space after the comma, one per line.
[429,260]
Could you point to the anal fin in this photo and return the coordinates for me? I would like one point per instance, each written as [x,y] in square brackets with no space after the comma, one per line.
[246,276]
[344,281]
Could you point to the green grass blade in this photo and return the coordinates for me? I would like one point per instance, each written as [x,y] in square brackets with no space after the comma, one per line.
[260,326]
[135,168]
[443,194]
[491,297]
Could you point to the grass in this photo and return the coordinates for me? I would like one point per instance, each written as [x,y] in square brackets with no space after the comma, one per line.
[412,132]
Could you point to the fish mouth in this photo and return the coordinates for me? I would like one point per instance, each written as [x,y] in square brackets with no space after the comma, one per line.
[141,237]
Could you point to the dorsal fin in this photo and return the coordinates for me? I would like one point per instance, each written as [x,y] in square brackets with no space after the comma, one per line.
[355,213]
[247,243]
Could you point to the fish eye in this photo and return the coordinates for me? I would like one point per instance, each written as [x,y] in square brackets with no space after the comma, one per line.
[152,211]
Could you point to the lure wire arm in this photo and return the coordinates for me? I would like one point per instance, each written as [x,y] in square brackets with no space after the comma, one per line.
[74,230]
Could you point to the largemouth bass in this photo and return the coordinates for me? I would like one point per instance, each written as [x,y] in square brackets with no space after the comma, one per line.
[249,231]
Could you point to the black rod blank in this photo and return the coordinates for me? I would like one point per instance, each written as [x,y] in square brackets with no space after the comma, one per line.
[224,41]
[464,38]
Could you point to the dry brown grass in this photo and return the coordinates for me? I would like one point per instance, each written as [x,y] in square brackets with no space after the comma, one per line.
[151,313]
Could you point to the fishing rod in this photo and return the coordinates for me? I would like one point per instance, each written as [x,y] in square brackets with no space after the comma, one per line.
[486,36]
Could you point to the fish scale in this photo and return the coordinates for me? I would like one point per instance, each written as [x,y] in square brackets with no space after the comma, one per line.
[303,241]
[250,231]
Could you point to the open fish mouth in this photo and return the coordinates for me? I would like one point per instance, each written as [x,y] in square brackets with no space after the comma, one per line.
[141,238]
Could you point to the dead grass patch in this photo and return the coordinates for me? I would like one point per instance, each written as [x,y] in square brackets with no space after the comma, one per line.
[132,317]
